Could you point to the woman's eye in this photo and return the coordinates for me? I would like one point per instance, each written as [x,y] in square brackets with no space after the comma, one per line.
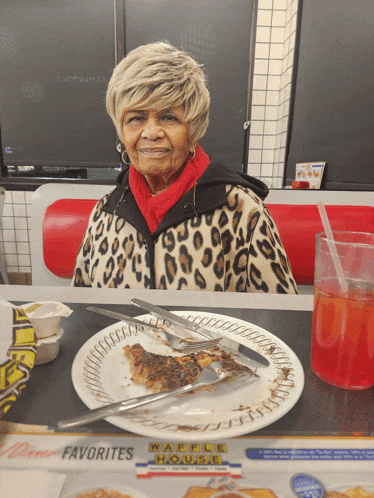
[133,119]
[169,117]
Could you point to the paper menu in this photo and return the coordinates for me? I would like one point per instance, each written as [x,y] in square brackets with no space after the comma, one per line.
[33,483]
[251,467]
[310,172]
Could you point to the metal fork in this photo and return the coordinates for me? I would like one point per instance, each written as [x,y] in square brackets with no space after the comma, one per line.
[174,341]
[209,375]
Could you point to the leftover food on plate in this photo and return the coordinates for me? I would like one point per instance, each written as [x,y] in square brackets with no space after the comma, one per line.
[102,493]
[357,492]
[201,492]
[163,373]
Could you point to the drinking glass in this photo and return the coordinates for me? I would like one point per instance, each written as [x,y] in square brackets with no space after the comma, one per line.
[343,315]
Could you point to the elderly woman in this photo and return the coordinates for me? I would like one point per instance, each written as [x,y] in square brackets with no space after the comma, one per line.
[177,219]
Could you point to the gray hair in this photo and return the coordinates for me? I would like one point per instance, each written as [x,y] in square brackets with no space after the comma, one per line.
[158,76]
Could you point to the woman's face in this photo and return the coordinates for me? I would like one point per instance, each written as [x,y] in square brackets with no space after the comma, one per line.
[157,143]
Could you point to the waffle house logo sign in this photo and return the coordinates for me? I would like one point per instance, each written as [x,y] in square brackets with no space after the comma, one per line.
[187,459]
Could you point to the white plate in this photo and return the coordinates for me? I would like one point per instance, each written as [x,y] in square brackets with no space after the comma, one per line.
[101,375]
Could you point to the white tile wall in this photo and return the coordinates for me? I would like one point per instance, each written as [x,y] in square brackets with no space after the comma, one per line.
[15,231]
[274,56]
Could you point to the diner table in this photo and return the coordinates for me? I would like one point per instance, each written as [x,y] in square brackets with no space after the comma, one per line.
[324,414]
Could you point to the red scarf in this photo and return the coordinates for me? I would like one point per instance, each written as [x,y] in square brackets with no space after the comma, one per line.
[154,208]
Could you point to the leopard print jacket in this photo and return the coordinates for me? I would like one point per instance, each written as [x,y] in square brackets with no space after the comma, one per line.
[218,237]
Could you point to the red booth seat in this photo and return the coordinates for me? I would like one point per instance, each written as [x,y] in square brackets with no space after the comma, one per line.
[298,225]
[64,224]
[66,219]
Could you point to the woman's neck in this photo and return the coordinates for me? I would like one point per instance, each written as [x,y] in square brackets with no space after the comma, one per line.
[158,183]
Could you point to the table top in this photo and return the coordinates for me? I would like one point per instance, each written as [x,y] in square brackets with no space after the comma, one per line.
[322,410]
[160,297]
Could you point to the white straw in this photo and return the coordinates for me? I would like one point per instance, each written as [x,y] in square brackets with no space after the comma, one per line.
[332,246]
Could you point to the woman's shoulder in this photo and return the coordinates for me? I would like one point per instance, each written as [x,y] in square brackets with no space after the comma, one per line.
[101,202]
[245,195]
[97,209]
[220,173]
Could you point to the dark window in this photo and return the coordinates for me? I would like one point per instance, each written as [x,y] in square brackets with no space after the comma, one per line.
[56,60]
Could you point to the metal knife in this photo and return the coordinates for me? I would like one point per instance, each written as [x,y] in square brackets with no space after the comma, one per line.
[247,355]
[212,374]
[121,316]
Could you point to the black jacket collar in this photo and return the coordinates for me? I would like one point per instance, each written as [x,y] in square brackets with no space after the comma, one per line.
[208,194]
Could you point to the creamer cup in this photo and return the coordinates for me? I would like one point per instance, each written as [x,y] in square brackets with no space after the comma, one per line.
[47,349]
[45,317]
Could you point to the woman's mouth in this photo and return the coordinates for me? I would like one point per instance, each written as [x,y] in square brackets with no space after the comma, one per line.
[153,151]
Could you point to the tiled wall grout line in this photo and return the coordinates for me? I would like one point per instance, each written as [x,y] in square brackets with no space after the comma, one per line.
[262,168]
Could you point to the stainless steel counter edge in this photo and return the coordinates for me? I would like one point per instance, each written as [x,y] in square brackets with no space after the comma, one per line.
[198,299]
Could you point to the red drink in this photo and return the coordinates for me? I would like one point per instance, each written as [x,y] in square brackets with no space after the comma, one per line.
[343,334]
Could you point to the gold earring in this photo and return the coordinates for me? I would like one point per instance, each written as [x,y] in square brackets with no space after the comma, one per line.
[123,160]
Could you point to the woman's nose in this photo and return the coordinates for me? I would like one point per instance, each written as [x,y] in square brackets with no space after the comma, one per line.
[152,129]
